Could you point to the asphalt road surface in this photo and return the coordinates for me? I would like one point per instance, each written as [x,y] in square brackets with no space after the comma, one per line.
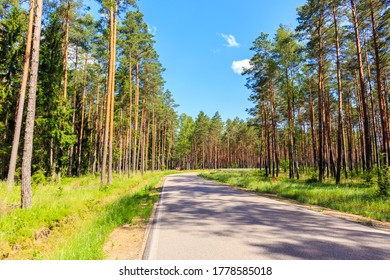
[201,220]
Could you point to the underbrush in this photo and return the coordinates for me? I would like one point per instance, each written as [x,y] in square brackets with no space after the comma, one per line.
[351,197]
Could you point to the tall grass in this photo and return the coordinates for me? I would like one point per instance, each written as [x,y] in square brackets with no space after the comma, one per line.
[350,197]
[63,213]
[87,244]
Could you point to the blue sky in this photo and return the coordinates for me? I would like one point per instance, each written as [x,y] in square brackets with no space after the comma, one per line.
[198,41]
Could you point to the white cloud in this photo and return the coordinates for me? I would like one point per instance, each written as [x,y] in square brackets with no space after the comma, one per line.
[231,41]
[153,30]
[241,65]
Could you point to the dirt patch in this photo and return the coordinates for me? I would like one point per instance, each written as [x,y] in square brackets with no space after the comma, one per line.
[125,242]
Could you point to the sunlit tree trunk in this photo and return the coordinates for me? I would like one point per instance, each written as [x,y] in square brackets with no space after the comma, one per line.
[80,146]
[340,135]
[71,151]
[109,100]
[66,49]
[22,93]
[363,92]
[26,196]
[136,105]
[112,94]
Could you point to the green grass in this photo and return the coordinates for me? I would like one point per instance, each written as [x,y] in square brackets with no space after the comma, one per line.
[351,197]
[72,219]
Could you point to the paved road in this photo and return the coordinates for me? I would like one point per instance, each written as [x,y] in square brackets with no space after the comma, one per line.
[198,219]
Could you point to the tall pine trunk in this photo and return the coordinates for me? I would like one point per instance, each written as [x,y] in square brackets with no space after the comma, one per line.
[26,192]
[136,104]
[340,135]
[112,91]
[381,98]
[108,102]
[80,146]
[363,92]
[22,93]
[66,49]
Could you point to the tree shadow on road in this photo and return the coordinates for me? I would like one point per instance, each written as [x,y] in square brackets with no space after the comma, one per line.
[269,227]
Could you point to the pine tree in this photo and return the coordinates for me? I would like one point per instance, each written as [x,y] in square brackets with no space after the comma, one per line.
[30,117]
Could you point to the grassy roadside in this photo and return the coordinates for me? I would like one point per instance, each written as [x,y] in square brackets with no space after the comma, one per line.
[349,198]
[72,219]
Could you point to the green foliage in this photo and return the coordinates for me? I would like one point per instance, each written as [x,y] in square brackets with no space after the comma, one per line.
[284,164]
[384,181]
[39,177]
[368,178]
[313,177]
[185,136]
[13,28]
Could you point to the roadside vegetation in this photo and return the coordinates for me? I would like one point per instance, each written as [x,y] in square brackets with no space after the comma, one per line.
[72,219]
[356,196]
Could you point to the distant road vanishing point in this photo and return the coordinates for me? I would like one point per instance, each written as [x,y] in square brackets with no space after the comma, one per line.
[201,220]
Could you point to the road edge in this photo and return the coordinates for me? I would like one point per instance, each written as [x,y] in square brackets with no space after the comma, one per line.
[144,252]
[368,222]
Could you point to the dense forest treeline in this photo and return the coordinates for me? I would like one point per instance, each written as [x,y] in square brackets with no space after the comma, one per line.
[321,92]
[320,96]
[83,95]
[100,105]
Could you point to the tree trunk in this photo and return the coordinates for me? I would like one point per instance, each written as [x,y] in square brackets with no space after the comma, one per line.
[363,93]
[112,95]
[136,104]
[66,49]
[22,93]
[340,135]
[381,98]
[320,105]
[26,196]
[373,117]
[154,139]
[312,125]
[109,100]
[70,166]
[97,128]
[130,113]
[80,148]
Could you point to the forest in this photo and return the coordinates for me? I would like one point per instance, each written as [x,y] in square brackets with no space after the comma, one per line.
[80,95]
[321,100]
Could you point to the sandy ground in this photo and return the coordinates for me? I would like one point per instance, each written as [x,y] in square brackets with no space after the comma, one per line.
[125,243]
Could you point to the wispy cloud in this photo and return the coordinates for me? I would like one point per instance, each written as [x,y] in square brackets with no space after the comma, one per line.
[241,65]
[231,41]
[153,30]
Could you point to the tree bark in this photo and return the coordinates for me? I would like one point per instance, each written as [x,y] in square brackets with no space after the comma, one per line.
[136,104]
[113,58]
[26,192]
[80,148]
[108,102]
[320,104]
[71,151]
[66,49]
[381,98]
[340,135]
[22,93]
[363,92]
